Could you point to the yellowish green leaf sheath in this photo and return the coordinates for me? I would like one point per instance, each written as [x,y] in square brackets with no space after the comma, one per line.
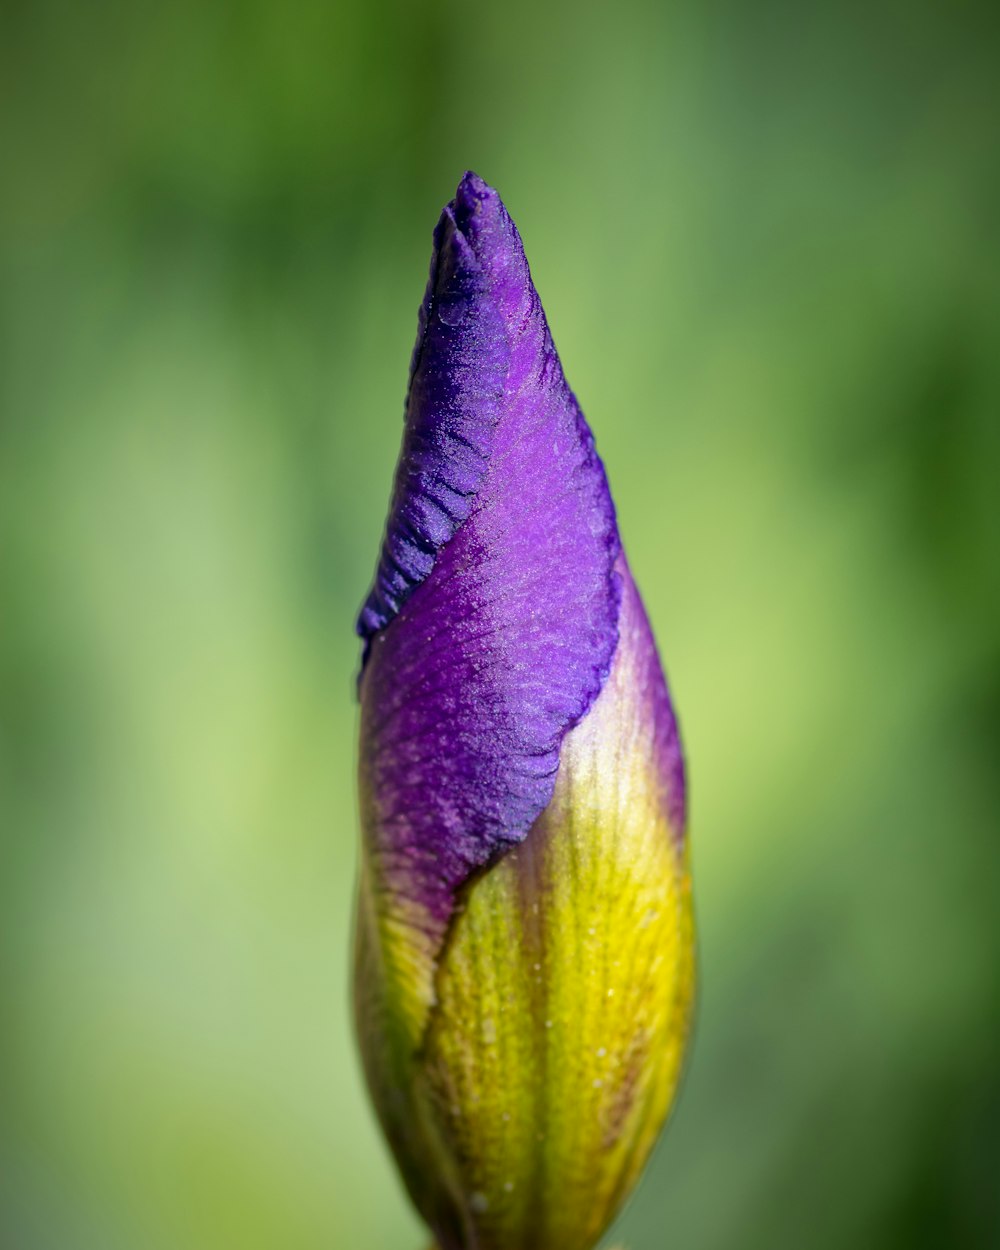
[565,996]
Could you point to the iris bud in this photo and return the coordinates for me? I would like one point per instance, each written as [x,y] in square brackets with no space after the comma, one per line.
[524,957]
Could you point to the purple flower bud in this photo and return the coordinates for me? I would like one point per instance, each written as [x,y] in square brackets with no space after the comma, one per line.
[524,961]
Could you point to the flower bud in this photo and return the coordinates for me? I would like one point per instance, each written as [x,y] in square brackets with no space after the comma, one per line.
[524,950]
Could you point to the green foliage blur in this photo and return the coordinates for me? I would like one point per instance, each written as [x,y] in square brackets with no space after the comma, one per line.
[766,237]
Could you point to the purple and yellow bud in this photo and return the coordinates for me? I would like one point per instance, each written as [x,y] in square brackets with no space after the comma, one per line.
[525,950]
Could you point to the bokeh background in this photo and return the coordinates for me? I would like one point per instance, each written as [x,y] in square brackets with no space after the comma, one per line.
[767,239]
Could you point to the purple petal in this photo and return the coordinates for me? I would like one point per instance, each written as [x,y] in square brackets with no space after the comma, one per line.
[642,672]
[493,619]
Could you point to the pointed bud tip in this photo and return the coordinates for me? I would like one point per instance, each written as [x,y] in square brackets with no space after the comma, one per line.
[473,195]
[476,210]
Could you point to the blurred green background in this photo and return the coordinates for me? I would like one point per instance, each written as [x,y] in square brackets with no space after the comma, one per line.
[766,236]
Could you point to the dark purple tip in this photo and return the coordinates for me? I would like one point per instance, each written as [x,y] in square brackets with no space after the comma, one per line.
[457,377]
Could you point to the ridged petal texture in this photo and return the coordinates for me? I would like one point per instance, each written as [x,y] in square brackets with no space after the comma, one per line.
[524,954]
